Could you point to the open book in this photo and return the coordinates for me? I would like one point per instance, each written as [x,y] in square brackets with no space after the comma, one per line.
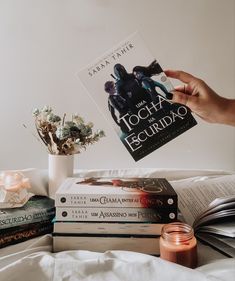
[208,205]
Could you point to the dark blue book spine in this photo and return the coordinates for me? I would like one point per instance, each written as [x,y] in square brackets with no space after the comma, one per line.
[21,235]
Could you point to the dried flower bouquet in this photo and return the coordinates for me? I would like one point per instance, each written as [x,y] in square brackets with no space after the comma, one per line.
[64,137]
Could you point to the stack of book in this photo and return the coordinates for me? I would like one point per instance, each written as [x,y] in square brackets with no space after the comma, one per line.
[100,214]
[23,223]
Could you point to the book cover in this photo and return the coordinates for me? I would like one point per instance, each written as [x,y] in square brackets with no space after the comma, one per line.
[108,228]
[116,192]
[133,93]
[38,208]
[146,245]
[116,214]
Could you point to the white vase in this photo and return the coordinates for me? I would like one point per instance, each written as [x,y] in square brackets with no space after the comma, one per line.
[59,168]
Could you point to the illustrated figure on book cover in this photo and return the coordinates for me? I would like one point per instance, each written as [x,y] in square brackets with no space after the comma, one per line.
[129,184]
[131,89]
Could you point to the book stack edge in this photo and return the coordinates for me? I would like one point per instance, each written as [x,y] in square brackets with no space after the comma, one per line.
[101,214]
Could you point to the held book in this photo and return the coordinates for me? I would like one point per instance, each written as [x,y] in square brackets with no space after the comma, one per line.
[208,205]
[133,93]
[37,209]
[117,192]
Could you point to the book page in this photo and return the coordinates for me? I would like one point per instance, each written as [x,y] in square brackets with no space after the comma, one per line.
[225,229]
[194,197]
[220,208]
[225,245]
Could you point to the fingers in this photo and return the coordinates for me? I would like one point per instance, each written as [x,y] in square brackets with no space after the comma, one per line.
[179,97]
[188,100]
[180,88]
[186,89]
[180,75]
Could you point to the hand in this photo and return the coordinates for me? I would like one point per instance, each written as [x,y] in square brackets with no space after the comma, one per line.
[201,99]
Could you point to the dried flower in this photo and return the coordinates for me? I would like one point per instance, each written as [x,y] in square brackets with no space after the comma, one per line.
[64,137]
[53,118]
[36,112]
[46,109]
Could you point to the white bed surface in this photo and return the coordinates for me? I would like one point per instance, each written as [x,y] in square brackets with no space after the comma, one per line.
[33,260]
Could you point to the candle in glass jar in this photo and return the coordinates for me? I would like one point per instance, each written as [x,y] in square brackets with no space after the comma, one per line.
[178,244]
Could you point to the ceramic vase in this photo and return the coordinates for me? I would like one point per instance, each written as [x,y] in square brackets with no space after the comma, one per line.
[59,168]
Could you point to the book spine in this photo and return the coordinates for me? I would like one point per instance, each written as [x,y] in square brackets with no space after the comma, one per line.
[102,244]
[108,228]
[104,235]
[27,218]
[23,235]
[116,214]
[12,230]
[115,200]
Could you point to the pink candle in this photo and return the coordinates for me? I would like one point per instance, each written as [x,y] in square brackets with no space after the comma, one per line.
[178,244]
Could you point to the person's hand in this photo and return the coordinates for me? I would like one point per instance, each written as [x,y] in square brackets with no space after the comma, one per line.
[201,99]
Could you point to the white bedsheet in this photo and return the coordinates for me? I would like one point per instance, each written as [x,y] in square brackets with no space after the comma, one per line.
[34,260]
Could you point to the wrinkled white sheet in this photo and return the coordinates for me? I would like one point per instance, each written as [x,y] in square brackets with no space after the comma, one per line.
[33,259]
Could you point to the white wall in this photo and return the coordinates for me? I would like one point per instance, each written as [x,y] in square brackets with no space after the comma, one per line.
[43,43]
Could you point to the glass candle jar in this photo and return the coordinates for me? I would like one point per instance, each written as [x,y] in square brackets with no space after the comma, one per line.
[178,244]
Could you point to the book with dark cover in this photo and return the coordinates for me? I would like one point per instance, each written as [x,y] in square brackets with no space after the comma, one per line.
[14,229]
[37,209]
[14,236]
[132,91]
[117,192]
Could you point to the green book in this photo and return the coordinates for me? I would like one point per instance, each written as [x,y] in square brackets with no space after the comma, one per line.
[37,209]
